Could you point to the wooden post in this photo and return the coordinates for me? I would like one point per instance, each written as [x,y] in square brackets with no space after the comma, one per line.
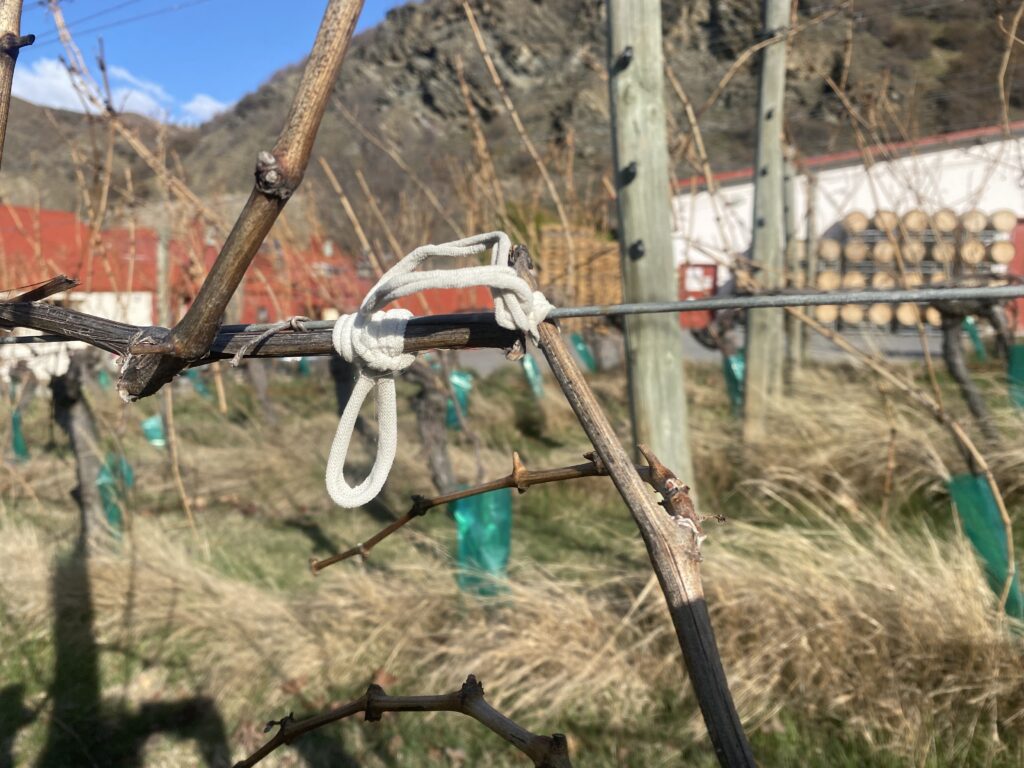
[654,344]
[810,252]
[163,274]
[765,342]
[794,328]
[72,412]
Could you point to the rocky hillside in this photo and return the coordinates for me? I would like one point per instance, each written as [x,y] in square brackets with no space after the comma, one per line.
[917,67]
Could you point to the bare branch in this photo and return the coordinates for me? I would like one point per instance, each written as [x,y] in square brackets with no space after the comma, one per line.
[520,478]
[545,751]
[530,148]
[391,151]
[1004,65]
[46,289]
[740,61]
[460,331]
[672,540]
[278,174]
[11,42]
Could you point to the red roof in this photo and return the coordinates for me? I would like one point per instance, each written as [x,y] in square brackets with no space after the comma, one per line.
[879,151]
[283,280]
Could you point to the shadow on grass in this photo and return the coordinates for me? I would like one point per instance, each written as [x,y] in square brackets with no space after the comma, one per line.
[311,530]
[83,729]
[14,716]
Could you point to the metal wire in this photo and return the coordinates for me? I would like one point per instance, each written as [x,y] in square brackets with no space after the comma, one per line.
[916,295]
[38,339]
[758,301]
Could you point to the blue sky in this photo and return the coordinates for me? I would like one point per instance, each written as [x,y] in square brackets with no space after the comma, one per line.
[181,60]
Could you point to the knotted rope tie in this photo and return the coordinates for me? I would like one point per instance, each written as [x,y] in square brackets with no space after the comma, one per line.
[374,341]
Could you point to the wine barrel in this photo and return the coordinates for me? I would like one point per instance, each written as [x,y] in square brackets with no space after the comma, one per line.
[906,314]
[883,281]
[852,314]
[887,221]
[828,280]
[854,281]
[945,220]
[913,251]
[972,252]
[911,279]
[915,220]
[829,249]
[855,251]
[880,314]
[1003,220]
[1002,251]
[826,313]
[974,221]
[855,222]
[944,252]
[884,252]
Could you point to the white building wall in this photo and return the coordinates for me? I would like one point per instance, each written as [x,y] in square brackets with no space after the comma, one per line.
[714,229]
[47,360]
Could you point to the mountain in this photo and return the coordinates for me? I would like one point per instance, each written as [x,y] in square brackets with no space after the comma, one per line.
[917,67]
[50,157]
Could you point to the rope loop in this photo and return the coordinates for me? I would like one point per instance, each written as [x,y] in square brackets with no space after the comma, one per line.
[374,339]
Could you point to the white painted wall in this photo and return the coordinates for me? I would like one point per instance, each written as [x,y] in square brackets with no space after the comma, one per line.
[713,229]
[47,360]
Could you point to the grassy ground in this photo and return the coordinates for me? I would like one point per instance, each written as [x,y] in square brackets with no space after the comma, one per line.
[848,640]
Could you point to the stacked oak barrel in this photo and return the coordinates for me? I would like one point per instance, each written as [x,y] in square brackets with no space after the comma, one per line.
[890,250]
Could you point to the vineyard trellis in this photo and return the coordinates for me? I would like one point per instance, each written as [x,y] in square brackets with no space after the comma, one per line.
[672,529]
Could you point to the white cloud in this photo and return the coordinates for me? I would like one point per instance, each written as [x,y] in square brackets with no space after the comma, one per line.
[47,83]
[202,107]
[154,90]
[139,102]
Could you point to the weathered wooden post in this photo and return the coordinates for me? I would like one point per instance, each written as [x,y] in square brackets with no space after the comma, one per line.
[794,255]
[765,340]
[810,252]
[72,413]
[654,344]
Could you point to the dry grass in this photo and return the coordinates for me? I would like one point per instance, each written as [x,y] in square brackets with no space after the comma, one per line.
[892,635]
[822,614]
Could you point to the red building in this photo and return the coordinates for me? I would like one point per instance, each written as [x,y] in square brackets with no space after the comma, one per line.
[283,280]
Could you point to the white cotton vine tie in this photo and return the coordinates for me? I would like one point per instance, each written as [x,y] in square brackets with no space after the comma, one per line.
[373,340]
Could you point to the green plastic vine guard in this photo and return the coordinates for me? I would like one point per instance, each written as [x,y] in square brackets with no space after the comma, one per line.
[303,368]
[462,385]
[18,443]
[153,430]
[114,481]
[198,384]
[1015,369]
[983,525]
[104,379]
[583,351]
[483,524]
[734,368]
[971,327]
[533,376]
